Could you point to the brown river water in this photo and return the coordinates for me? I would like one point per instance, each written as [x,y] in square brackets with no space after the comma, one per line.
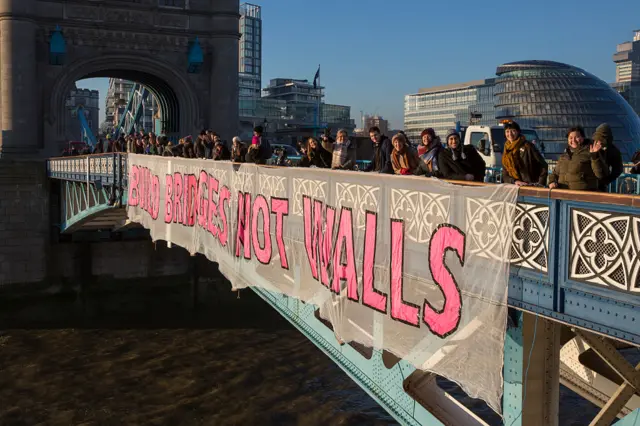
[142,355]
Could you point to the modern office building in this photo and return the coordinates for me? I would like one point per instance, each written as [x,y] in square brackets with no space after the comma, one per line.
[90,101]
[291,109]
[370,121]
[551,97]
[116,102]
[627,59]
[443,107]
[250,55]
[630,91]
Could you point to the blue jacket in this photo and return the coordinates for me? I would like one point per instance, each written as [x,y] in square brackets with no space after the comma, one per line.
[383,149]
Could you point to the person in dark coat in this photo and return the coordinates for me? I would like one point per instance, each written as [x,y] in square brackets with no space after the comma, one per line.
[382,148]
[428,153]
[582,166]
[221,152]
[522,163]
[612,155]
[316,156]
[460,162]
[635,160]
[238,150]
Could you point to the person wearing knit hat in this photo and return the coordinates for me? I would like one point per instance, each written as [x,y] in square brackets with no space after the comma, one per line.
[460,162]
[612,155]
[428,152]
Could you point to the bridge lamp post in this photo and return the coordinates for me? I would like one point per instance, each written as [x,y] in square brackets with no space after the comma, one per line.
[57,47]
[195,57]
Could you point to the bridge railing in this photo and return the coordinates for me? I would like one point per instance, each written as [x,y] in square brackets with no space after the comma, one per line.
[107,169]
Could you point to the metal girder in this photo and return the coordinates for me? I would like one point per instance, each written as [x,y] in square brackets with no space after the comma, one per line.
[135,109]
[612,357]
[84,206]
[411,396]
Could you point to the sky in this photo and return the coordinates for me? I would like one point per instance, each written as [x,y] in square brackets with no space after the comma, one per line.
[373,52]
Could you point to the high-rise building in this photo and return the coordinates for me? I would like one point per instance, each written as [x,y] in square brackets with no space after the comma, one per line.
[370,121]
[250,55]
[89,100]
[116,103]
[442,107]
[627,59]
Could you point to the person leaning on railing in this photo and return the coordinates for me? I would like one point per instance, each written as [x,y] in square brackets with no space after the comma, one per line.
[635,160]
[460,162]
[238,150]
[404,160]
[428,152]
[611,154]
[582,165]
[343,152]
[522,163]
[315,155]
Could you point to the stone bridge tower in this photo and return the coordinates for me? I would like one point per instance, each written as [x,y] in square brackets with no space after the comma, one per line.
[47,45]
[147,41]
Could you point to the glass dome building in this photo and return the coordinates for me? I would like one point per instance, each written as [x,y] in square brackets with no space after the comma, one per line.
[551,97]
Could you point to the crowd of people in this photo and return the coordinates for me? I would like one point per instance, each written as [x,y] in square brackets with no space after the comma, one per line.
[586,164]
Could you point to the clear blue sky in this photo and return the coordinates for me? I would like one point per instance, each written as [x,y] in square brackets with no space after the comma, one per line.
[373,52]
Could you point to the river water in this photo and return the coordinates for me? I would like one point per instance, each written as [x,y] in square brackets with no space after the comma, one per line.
[142,355]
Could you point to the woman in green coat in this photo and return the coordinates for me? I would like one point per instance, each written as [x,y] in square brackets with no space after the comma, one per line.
[582,165]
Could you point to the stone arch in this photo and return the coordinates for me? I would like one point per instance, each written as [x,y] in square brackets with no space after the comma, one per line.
[177,98]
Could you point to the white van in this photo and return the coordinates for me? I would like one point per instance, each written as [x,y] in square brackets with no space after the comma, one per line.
[490,140]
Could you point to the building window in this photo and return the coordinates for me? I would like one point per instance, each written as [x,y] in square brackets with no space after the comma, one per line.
[179,4]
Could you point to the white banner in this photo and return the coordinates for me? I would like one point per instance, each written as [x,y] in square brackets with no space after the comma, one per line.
[416,266]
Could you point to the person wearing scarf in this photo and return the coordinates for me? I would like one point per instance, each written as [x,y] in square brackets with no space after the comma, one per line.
[460,162]
[428,152]
[582,166]
[403,159]
[344,152]
[522,163]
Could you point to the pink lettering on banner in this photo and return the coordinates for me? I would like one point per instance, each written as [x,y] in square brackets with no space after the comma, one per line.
[370,296]
[223,234]
[144,189]
[261,209]
[134,182]
[192,188]
[280,206]
[213,206]
[202,202]
[177,197]
[444,322]
[155,185]
[242,234]
[310,243]
[402,311]
[168,199]
[323,221]
[344,246]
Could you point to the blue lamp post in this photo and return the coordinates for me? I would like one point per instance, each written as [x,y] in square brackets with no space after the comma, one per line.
[196,57]
[57,47]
